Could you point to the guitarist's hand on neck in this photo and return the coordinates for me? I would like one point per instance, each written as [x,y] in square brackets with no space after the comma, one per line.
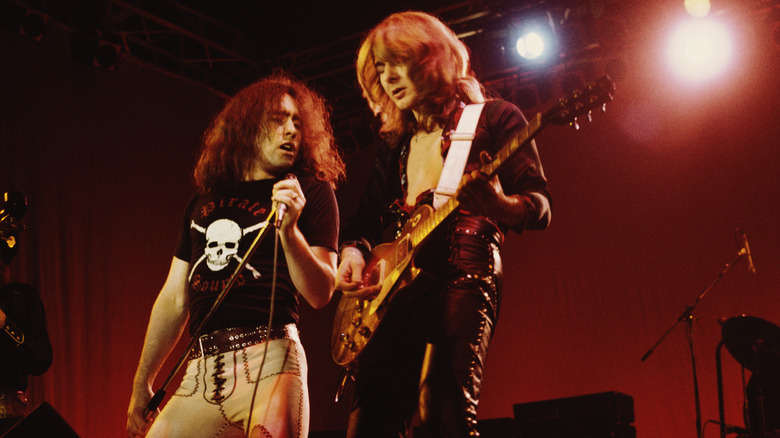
[349,277]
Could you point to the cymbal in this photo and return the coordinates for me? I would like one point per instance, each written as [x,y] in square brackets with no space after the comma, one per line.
[753,342]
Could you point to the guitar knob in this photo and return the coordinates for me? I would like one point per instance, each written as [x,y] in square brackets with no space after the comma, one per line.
[344,337]
[356,321]
[365,331]
[359,304]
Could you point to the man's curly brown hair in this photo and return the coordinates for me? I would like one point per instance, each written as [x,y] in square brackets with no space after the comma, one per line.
[228,151]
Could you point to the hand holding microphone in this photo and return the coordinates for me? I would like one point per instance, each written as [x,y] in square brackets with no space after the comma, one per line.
[282,187]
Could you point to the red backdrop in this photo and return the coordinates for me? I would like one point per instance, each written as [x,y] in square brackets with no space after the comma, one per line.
[646,201]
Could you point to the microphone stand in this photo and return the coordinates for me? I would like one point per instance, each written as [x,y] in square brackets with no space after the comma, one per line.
[158,396]
[687,317]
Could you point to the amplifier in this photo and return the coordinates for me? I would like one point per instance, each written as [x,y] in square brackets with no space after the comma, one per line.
[43,421]
[602,415]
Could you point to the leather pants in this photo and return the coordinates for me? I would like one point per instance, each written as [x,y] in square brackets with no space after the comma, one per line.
[430,375]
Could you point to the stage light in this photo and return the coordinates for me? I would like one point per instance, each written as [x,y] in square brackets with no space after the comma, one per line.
[106,55]
[700,49]
[534,39]
[34,24]
[530,45]
[697,8]
[95,51]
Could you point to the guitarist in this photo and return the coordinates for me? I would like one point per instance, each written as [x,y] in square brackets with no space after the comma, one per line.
[415,75]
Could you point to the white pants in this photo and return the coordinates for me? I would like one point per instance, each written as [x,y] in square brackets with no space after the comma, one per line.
[214,398]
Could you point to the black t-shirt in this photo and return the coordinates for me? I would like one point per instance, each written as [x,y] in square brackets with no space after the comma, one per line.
[216,233]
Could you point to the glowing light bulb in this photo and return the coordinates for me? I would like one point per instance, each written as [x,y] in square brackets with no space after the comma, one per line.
[530,45]
[697,8]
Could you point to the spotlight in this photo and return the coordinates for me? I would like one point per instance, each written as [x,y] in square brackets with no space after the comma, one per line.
[697,8]
[534,39]
[106,55]
[95,51]
[700,49]
[34,24]
[530,45]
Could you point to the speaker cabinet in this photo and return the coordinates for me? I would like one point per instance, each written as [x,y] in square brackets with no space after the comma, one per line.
[603,415]
[43,421]
[497,428]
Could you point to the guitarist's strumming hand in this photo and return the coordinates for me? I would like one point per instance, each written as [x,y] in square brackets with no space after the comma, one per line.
[349,277]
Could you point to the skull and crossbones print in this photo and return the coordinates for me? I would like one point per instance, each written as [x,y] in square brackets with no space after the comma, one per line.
[222,239]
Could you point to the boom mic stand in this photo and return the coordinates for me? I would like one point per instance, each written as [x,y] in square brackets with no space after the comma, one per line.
[154,403]
[687,317]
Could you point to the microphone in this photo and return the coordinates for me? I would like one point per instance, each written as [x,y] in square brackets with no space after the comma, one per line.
[282,208]
[746,250]
[280,211]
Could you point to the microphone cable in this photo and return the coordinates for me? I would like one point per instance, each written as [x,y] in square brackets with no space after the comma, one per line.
[267,336]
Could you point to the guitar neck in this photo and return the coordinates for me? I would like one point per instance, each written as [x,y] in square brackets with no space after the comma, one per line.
[523,137]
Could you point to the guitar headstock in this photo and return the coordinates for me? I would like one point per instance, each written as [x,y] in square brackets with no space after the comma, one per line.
[580,103]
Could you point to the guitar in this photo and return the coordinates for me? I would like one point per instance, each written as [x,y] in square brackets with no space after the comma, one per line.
[361,324]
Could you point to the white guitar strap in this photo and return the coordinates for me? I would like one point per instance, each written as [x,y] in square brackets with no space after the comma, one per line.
[458,154]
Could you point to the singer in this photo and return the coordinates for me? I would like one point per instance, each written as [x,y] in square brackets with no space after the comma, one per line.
[272,144]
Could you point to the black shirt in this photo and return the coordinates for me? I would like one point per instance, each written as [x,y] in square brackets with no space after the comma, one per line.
[217,231]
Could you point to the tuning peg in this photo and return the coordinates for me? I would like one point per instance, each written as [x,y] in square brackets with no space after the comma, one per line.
[603,107]
[575,124]
[590,116]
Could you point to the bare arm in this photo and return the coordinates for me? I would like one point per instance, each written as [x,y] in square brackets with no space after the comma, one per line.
[312,268]
[166,324]
[349,279]
[350,273]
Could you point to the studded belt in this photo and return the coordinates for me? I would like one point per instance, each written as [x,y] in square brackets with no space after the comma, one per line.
[236,338]
[477,226]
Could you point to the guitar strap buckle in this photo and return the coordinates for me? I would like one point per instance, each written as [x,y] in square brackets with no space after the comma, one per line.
[457,154]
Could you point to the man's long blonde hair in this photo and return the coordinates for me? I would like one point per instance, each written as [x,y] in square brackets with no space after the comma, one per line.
[438,65]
